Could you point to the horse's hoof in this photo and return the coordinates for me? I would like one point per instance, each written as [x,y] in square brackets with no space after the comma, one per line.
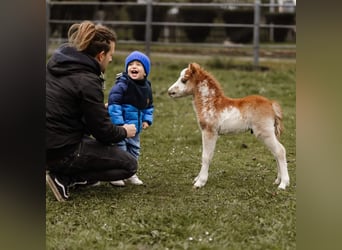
[282,186]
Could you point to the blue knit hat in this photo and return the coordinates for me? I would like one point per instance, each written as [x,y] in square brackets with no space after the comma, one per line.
[141,57]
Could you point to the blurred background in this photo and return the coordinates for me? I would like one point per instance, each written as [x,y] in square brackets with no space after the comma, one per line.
[250,29]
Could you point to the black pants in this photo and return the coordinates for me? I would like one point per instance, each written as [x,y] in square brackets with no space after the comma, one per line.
[94,161]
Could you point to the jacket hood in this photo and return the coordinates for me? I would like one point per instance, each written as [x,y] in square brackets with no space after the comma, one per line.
[67,60]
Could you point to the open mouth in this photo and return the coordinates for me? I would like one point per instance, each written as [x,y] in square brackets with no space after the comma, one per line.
[134,72]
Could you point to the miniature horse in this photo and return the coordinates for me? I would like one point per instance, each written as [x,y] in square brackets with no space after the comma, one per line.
[218,114]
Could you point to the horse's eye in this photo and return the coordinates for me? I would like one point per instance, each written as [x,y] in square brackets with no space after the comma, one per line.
[183,80]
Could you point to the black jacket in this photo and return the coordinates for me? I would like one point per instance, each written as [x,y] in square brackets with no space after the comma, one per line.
[74,102]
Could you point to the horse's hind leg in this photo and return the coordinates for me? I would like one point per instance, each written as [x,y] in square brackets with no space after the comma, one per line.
[279,152]
[208,146]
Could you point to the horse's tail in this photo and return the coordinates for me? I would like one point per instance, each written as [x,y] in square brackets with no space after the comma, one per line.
[278,123]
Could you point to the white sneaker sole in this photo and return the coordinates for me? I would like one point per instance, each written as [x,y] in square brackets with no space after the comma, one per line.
[119,183]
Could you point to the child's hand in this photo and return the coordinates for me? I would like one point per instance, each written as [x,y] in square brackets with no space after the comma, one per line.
[106,105]
[145,125]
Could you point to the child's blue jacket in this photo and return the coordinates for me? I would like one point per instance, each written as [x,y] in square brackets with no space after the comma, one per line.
[131,102]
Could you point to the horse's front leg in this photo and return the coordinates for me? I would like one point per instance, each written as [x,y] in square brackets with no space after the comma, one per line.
[209,139]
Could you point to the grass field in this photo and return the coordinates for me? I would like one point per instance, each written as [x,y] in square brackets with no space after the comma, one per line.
[239,208]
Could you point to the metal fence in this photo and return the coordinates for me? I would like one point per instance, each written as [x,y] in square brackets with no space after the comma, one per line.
[148,24]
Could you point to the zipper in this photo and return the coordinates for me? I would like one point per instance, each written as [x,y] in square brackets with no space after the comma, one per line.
[139,123]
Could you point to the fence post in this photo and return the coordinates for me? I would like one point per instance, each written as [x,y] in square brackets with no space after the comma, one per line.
[271,27]
[148,29]
[256,33]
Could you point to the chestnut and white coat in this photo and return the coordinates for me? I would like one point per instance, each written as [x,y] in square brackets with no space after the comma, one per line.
[219,114]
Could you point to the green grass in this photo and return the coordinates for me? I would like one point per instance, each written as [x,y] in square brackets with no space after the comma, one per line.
[239,208]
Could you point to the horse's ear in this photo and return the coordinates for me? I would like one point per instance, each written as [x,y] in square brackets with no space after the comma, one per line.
[193,67]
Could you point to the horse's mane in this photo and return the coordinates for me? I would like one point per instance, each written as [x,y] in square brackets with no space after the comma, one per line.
[212,81]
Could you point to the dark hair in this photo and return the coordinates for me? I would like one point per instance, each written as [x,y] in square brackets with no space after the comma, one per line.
[90,38]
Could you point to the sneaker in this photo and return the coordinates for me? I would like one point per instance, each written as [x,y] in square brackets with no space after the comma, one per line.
[85,184]
[134,180]
[93,183]
[78,183]
[119,183]
[59,188]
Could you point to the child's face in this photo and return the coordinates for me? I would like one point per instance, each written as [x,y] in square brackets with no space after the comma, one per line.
[135,70]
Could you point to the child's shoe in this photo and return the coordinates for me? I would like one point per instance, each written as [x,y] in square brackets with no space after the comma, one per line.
[134,180]
[119,183]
